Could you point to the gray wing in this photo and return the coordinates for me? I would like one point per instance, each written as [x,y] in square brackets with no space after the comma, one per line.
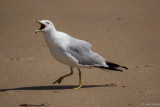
[81,51]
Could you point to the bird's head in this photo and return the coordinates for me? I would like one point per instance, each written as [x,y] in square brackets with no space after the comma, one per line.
[45,25]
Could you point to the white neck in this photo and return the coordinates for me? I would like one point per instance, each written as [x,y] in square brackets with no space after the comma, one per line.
[51,37]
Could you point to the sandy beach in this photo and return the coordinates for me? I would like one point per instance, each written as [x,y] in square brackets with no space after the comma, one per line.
[126,32]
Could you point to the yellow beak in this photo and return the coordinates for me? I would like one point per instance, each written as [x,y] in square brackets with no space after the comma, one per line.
[39,23]
[37,31]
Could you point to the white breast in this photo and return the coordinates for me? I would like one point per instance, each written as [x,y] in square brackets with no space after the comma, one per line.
[57,48]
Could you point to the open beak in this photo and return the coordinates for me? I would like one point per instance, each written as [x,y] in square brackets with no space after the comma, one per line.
[43,26]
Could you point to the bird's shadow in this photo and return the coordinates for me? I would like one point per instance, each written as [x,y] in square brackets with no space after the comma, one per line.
[56,87]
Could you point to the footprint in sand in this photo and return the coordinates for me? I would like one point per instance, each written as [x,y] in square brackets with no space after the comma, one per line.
[138,90]
[144,66]
[21,59]
[112,85]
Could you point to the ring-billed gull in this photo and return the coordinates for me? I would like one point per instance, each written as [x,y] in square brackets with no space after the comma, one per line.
[72,52]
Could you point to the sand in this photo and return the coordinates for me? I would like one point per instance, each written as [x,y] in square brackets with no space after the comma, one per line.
[123,31]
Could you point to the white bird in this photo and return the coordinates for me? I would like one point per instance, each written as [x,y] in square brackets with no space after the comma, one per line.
[72,52]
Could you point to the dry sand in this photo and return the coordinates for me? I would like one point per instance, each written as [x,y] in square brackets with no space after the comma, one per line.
[126,32]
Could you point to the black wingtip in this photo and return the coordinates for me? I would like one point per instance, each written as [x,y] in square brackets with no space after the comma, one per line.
[115,69]
[109,68]
[113,65]
[124,67]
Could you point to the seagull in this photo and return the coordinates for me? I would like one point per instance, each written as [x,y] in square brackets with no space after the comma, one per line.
[72,52]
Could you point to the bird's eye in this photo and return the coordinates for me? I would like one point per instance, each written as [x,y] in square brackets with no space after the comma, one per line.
[48,23]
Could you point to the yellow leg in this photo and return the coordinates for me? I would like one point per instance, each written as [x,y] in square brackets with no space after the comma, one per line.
[80,82]
[59,80]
